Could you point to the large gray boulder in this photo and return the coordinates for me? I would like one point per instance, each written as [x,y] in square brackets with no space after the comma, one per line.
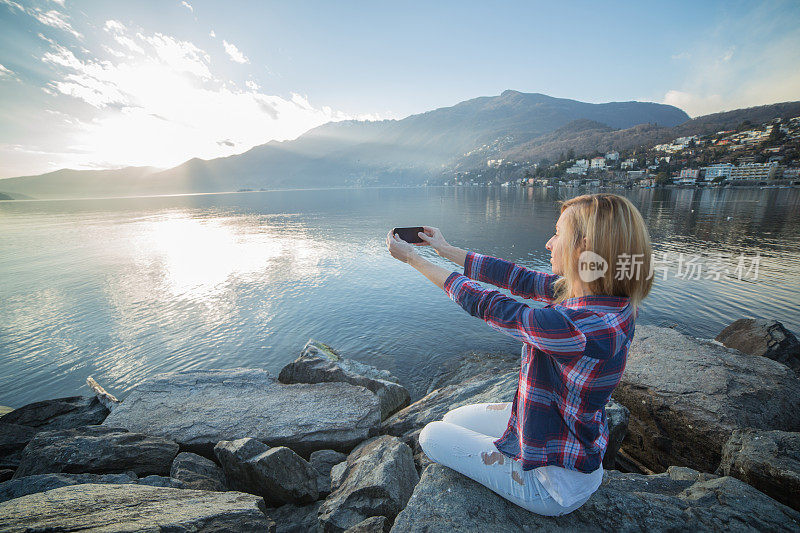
[686,396]
[472,365]
[197,472]
[408,422]
[323,461]
[16,488]
[767,460]
[763,338]
[277,474]
[318,366]
[96,450]
[134,508]
[445,501]
[199,408]
[292,518]
[377,480]
[60,413]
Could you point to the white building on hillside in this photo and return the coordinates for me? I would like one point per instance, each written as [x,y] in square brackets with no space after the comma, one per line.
[720,170]
[598,163]
[756,171]
[612,156]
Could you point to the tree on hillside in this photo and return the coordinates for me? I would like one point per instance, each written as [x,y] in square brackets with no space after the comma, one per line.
[662,178]
[776,136]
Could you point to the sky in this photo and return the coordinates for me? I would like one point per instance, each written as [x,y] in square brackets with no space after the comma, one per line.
[106,84]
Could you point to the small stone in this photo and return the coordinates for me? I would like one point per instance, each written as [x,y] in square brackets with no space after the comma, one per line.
[277,474]
[323,461]
[292,518]
[378,478]
[197,472]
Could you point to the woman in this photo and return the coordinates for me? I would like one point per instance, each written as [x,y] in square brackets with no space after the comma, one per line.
[544,450]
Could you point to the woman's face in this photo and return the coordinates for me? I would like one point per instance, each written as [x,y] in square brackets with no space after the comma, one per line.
[555,244]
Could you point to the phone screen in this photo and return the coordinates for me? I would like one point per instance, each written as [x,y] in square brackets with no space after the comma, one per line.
[409,234]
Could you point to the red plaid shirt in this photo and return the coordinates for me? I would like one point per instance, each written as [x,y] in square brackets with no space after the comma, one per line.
[573,357]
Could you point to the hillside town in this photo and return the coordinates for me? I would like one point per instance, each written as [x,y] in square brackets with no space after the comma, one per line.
[765,155]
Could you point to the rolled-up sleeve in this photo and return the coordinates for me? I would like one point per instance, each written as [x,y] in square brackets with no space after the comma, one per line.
[548,329]
[520,280]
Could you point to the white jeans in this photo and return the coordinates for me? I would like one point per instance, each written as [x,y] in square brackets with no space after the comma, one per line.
[463,441]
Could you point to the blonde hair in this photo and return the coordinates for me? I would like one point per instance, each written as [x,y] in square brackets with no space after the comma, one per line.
[610,226]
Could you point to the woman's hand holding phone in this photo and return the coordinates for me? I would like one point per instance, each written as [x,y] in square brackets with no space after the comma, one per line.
[433,237]
[400,243]
[400,249]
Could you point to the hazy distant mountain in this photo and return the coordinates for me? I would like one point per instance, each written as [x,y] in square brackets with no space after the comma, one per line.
[80,183]
[409,151]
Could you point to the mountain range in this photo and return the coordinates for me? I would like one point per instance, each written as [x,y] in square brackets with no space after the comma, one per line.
[523,127]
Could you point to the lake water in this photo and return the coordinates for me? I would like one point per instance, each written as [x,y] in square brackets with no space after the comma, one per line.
[121,289]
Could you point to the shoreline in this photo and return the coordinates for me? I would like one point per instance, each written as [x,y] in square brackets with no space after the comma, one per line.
[300,447]
[466,186]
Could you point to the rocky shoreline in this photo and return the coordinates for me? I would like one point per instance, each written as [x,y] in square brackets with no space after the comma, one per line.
[704,436]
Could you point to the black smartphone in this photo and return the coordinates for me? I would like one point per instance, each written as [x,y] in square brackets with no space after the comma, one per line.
[409,234]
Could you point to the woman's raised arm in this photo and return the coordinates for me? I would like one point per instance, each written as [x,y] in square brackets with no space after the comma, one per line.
[520,280]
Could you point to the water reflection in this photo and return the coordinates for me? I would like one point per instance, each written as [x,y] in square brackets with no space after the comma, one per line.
[197,256]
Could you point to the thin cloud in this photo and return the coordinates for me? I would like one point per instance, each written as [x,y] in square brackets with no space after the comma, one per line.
[161,88]
[188,6]
[7,73]
[234,52]
[52,18]
[212,34]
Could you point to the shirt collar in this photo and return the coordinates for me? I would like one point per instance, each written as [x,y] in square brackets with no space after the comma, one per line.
[597,300]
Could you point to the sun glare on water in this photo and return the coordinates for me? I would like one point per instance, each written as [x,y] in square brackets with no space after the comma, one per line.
[197,257]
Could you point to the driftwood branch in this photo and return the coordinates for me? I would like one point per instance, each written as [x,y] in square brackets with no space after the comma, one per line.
[108,400]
